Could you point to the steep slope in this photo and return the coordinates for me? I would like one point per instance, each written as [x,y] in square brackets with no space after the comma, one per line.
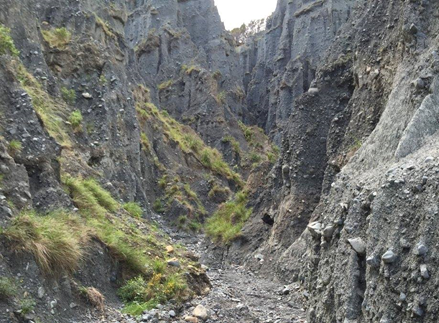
[111,111]
[359,161]
[281,65]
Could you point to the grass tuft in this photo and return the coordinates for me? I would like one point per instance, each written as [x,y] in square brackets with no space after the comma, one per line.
[226,223]
[57,37]
[8,288]
[76,119]
[15,147]
[6,43]
[133,209]
[55,240]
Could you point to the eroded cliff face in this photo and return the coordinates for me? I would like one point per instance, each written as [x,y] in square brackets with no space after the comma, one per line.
[360,162]
[281,65]
[348,89]
[145,97]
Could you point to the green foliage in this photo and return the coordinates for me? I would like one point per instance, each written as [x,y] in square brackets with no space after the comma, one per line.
[235,144]
[15,147]
[103,197]
[189,141]
[255,158]
[165,85]
[75,119]
[51,112]
[141,294]
[69,96]
[248,131]
[8,288]
[226,223]
[97,205]
[218,190]
[27,305]
[6,42]
[105,27]
[57,37]
[134,209]
[54,240]
[145,141]
[158,206]
[221,97]
[189,69]
[103,80]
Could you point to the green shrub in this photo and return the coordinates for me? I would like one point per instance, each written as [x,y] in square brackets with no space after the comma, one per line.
[158,206]
[8,288]
[226,223]
[27,305]
[57,37]
[69,96]
[15,147]
[102,79]
[134,209]
[255,158]
[6,43]
[141,294]
[76,119]
[165,85]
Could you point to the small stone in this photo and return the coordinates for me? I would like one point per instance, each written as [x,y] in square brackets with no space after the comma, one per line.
[421,249]
[328,231]
[286,290]
[191,319]
[424,272]
[358,245]
[428,159]
[173,262]
[201,312]
[169,249]
[402,297]
[172,313]
[389,257]
[87,96]
[41,292]
[259,256]
[315,228]
[418,311]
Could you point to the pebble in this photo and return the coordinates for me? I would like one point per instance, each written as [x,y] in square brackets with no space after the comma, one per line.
[200,312]
[389,257]
[358,245]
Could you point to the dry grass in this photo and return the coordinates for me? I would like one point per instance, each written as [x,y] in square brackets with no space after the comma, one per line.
[55,240]
[94,297]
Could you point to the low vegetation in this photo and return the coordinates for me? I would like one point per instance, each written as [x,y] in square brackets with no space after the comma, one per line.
[55,240]
[133,209]
[141,254]
[6,43]
[57,37]
[187,139]
[75,119]
[141,294]
[226,223]
[69,96]
[93,296]
[15,147]
[52,111]
[8,288]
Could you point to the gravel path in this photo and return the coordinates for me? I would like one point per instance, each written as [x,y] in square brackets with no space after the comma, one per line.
[238,295]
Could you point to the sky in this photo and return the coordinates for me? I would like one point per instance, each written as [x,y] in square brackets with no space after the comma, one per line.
[236,12]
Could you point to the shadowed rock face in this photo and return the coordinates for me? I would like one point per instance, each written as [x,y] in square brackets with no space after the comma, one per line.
[281,65]
[348,89]
[360,160]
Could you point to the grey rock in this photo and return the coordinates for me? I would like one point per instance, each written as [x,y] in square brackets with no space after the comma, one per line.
[358,245]
[388,257]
